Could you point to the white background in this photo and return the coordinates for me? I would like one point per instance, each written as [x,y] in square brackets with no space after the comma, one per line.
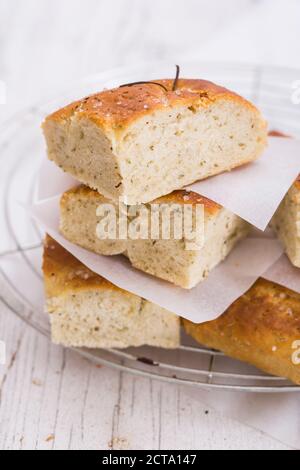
[51,398]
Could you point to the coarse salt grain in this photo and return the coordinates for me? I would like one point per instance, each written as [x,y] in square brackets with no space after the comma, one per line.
[165,101]
[274,348]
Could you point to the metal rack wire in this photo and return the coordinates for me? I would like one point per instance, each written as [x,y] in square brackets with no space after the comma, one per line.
[21,150]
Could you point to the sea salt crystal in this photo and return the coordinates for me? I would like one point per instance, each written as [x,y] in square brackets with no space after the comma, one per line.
[82,274]
[274,349]
[165,101]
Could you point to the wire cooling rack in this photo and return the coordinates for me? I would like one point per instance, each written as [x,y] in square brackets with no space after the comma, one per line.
[21,286]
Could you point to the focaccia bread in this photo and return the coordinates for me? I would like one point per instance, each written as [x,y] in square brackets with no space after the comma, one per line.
[87,311]
[143,141]
[261,328]
[168,259]
[286,223]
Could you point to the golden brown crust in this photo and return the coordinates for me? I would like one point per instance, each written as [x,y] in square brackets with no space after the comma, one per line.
[177,197]
[63,273]
[189,197]
[116,108]
[259,328]
[81,191]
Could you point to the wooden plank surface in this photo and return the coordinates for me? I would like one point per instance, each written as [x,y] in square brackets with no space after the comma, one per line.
[54,399]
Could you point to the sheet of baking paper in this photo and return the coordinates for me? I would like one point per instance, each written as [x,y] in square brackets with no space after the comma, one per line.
[53,181]
[284,273]
[255,191]
[207,301]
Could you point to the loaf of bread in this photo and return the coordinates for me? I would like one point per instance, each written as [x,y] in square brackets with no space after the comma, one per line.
[286,223]
[261,328]
[143,141]
[169,259]
[87,311]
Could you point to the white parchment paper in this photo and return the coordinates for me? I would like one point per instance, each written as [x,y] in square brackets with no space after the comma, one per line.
[53,181]
[255,191]
[284,273]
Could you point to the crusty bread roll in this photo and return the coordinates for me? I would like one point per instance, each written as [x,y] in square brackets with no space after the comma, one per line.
[143,141]
[167,259]
[88,311]
[261,328]
[286,223]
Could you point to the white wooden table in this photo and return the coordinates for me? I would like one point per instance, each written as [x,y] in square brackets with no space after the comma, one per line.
[51,398]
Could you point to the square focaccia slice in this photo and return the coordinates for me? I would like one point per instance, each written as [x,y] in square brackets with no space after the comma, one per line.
[86,310]
[144,141]
[173,259]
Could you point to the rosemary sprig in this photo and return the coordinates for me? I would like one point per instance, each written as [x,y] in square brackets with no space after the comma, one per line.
[175,83]
[174,86]
[143,83]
